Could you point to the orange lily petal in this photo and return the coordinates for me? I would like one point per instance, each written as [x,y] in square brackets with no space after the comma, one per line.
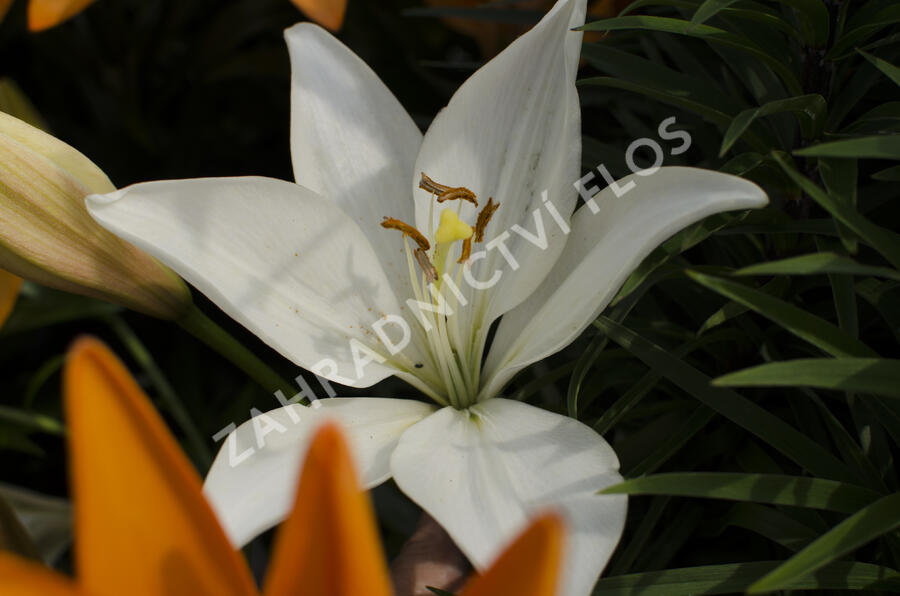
[143,527]
[329,546]
[9,291]
[19,577]
[328,13]
[44,14]
[529,567]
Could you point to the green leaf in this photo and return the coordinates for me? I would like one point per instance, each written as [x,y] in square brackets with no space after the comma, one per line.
[873,147]
[881,239]
[855,36]
[672,444]
[880,376]
[875,520]
[890,71]
[677,244]
[32,420]
[665,80]
[771,523]
[741,411]
[840,177]
[810,110]
[891,174]
[774,489]
[706,33]
[708,9]
[811,328]
[817,263]
[707,112]
[732,309]
[736,577]
[814,21]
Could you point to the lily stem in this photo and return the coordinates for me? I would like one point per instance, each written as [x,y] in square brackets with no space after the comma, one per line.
[165,390]
[206,330]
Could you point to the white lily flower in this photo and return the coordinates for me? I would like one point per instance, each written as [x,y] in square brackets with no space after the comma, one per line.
[312,270]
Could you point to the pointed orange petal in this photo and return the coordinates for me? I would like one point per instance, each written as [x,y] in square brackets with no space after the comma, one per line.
[328,13]
[44,14]
[9,291]
[143,528]
[529,567]
[19,577]
[329,546]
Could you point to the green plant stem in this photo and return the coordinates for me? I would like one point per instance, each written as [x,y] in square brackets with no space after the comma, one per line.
[206,330]
[165,390]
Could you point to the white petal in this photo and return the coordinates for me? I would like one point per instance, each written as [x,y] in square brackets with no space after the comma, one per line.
[482,472]
[602,251]
[291,267]
[253,481]
[511,132]
[351,140]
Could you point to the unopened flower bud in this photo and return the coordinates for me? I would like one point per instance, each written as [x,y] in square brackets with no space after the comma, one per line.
[47,235]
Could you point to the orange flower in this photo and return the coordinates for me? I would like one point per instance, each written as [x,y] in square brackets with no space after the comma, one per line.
[145,529]
[328,13]
[44,14]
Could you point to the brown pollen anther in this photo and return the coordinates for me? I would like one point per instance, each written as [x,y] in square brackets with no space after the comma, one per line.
[425,264]
[447,193]
[396,224]
[466,250]
[484,217]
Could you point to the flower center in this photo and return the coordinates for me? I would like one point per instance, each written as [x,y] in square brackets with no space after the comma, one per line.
[453,345]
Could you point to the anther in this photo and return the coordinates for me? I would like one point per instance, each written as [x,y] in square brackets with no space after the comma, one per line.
[425,264]
[396,224]
[466,250]
[447,193]
[484,217]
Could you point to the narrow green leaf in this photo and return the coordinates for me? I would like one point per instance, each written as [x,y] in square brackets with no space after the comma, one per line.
[673,443]
[32,420]
[741,411]
[794,491]
[771,523]
[891,174]
[862,31]
[889,70]
[881,239]
[736,577]
[810,110]
[804,325]
[875,520]
[674,246]
[814,21]
[873,147]
[627,66]
[731,309]
[841,180]
[708,10]
[880,376]
[706,33]
[815,264]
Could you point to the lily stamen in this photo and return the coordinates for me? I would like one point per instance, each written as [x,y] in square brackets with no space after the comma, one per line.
[395,224]
[447,193]
[484,217]
[426,265]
